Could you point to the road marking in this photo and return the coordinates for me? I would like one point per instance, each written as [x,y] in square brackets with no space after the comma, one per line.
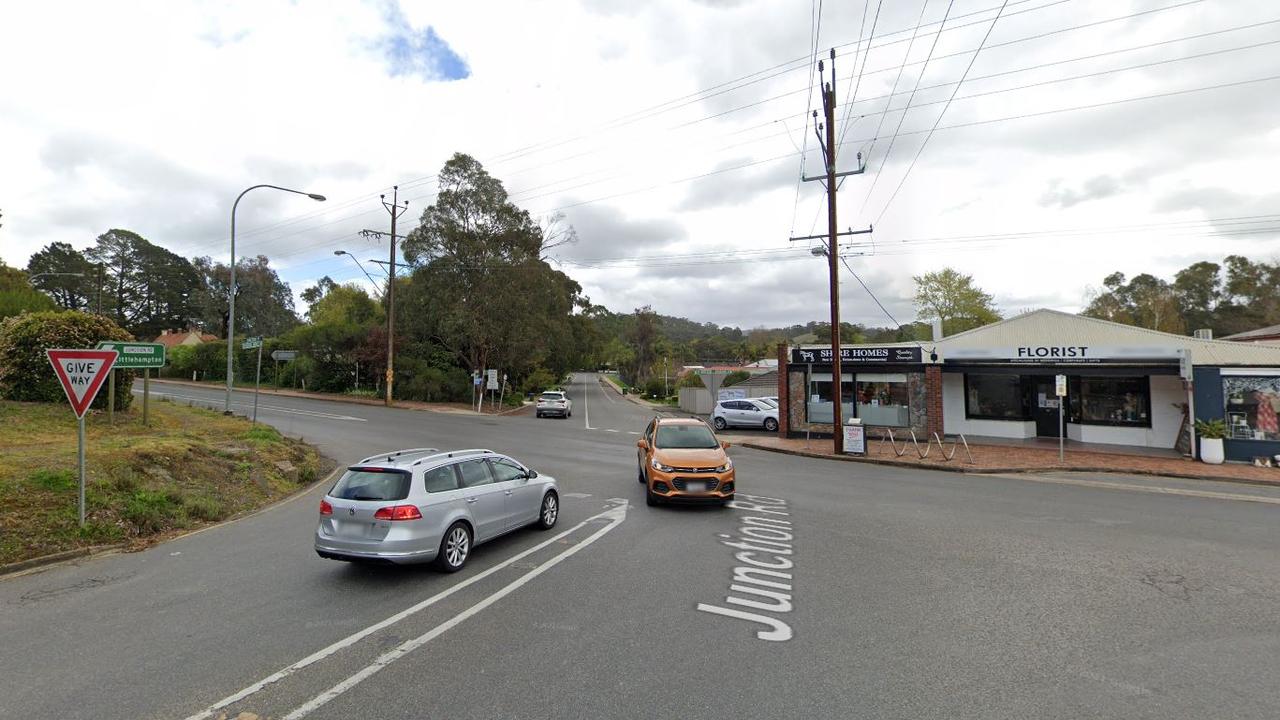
[766,535]
[277,408]
[600,383]
[633,432]
[1210,494]
[577,495]
[407,612]
[615,515]
[586,410]
[610,430]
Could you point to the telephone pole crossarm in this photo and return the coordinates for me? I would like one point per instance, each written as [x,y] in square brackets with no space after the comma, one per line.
[825,236]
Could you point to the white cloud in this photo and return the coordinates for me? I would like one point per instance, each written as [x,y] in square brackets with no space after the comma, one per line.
[153,116]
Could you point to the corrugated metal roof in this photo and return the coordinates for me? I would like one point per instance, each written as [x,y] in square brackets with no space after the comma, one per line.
[1266,332]
[1051,327]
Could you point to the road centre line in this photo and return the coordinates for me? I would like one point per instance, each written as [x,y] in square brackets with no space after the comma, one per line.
[355,637]
[616,515]
[586,410]
[1186,492]
[276,408]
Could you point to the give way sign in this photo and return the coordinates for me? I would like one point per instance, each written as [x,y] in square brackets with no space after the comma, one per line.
[81,373]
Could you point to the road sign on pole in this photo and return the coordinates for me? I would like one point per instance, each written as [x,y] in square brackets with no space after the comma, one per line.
[81,373]
[133,356]
[1060,388]
[492,382]
[284,354]
[257,381]
[251,343]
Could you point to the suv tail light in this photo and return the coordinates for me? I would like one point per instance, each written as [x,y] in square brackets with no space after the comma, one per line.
[325,508]
[398,512]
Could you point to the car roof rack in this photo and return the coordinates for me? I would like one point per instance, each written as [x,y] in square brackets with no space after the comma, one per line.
[398,455]
[454,454]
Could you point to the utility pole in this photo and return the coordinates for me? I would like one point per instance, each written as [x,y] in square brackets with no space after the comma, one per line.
[828,146]
[396,211]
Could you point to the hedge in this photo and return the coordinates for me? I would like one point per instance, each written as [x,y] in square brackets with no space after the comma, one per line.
[25,372]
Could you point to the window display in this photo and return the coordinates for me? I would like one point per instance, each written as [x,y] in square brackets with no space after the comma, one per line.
[995,397]
[883,399]
[818,404]
[1111,401]
[1252,405]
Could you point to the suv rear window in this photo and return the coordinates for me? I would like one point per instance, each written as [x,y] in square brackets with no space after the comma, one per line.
[372,484]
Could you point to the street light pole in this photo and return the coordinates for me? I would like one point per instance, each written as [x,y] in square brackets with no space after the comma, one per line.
[231,287]
[357,262]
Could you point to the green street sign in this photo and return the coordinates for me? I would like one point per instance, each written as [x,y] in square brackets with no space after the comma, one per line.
[251,343]
[135,356]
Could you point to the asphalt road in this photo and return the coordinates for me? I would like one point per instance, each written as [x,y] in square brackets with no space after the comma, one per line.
[895,594]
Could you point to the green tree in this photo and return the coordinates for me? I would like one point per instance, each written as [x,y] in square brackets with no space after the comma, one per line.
[952,297]
[16,294]
[65,275]
[643,340]
[145,287]
[264,302]
[24,368]
[480,288]
[1145,301]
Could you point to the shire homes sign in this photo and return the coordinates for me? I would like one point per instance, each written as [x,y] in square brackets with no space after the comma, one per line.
[857,355]
[1063,353]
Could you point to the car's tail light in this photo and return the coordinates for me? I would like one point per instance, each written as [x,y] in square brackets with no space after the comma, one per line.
[398,512]
[325,508]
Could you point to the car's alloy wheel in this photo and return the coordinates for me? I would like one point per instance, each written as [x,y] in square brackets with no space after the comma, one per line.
[455,548]
[549,513]
[770,424]
[718,422]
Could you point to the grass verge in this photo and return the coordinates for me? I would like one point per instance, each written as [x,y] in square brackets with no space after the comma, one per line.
[189,467]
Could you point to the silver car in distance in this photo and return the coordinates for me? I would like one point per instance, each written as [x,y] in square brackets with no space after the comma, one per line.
[419,505]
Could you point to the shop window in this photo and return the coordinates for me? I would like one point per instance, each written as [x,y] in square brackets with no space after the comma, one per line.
[1252,404]
[994,397]
[819,402]
[1111,401]
[883,399]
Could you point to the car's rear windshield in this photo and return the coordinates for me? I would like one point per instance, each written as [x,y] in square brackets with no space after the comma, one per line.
[552,396]
[372,484]
[685,436]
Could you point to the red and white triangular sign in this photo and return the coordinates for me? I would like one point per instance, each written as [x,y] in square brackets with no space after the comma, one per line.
[81,373]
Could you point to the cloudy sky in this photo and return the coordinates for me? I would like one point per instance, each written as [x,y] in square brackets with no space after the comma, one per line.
[1088,136]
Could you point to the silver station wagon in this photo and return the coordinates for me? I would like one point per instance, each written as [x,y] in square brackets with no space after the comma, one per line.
[414,506]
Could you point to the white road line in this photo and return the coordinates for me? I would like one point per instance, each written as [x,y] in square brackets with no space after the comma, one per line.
[413,609]
[633,432]
[600,383]
[1213,495]
[611,430]
[275,408]
[577,495]
[616,515]
[586,411]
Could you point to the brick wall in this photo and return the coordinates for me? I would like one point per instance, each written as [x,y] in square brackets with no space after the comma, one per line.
[784,392]
[933,399]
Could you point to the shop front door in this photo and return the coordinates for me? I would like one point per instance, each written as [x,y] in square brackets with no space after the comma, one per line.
[1044,407]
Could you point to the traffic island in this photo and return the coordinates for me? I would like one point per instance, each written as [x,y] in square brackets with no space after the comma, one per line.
[1007,459]
[188,467]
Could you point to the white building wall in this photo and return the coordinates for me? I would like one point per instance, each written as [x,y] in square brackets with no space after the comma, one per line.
[954,421]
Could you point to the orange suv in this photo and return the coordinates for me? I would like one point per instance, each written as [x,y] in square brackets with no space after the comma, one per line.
[680,460]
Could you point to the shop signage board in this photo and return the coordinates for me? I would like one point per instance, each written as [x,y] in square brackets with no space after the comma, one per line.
[1063,353]
[858,355]
[733,394]
[855,439]
[81,373]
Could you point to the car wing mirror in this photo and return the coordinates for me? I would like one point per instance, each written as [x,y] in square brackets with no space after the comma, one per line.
[724,445]
[531,474]
[642,444]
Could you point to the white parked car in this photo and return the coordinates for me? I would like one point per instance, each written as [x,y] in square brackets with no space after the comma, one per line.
[555,403]
[745,413]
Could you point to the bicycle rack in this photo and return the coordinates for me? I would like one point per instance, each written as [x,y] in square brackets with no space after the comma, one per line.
[886,436]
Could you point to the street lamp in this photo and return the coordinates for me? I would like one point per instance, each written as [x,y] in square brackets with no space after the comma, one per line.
[231,288]
[357,262]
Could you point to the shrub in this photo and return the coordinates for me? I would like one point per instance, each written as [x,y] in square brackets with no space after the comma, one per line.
[25,373]
[538,380]
[55,480]
[735,377]
[204,508]
[655,388]
[1215,429]
[148,511]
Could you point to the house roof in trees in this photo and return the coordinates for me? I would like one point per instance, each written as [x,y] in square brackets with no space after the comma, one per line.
[1052,327]
[174,338]
[1271,332]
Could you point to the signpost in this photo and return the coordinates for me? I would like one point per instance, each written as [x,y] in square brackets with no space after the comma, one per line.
[1060,390]
[284,356]
[251,344]
[133,356]
[81,373]
[491,383]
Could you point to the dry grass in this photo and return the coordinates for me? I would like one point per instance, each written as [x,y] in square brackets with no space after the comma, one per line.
[188,467]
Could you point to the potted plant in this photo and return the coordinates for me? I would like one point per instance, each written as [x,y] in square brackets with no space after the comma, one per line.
[1211,433]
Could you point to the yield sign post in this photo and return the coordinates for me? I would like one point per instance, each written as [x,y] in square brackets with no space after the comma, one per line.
[81,373]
